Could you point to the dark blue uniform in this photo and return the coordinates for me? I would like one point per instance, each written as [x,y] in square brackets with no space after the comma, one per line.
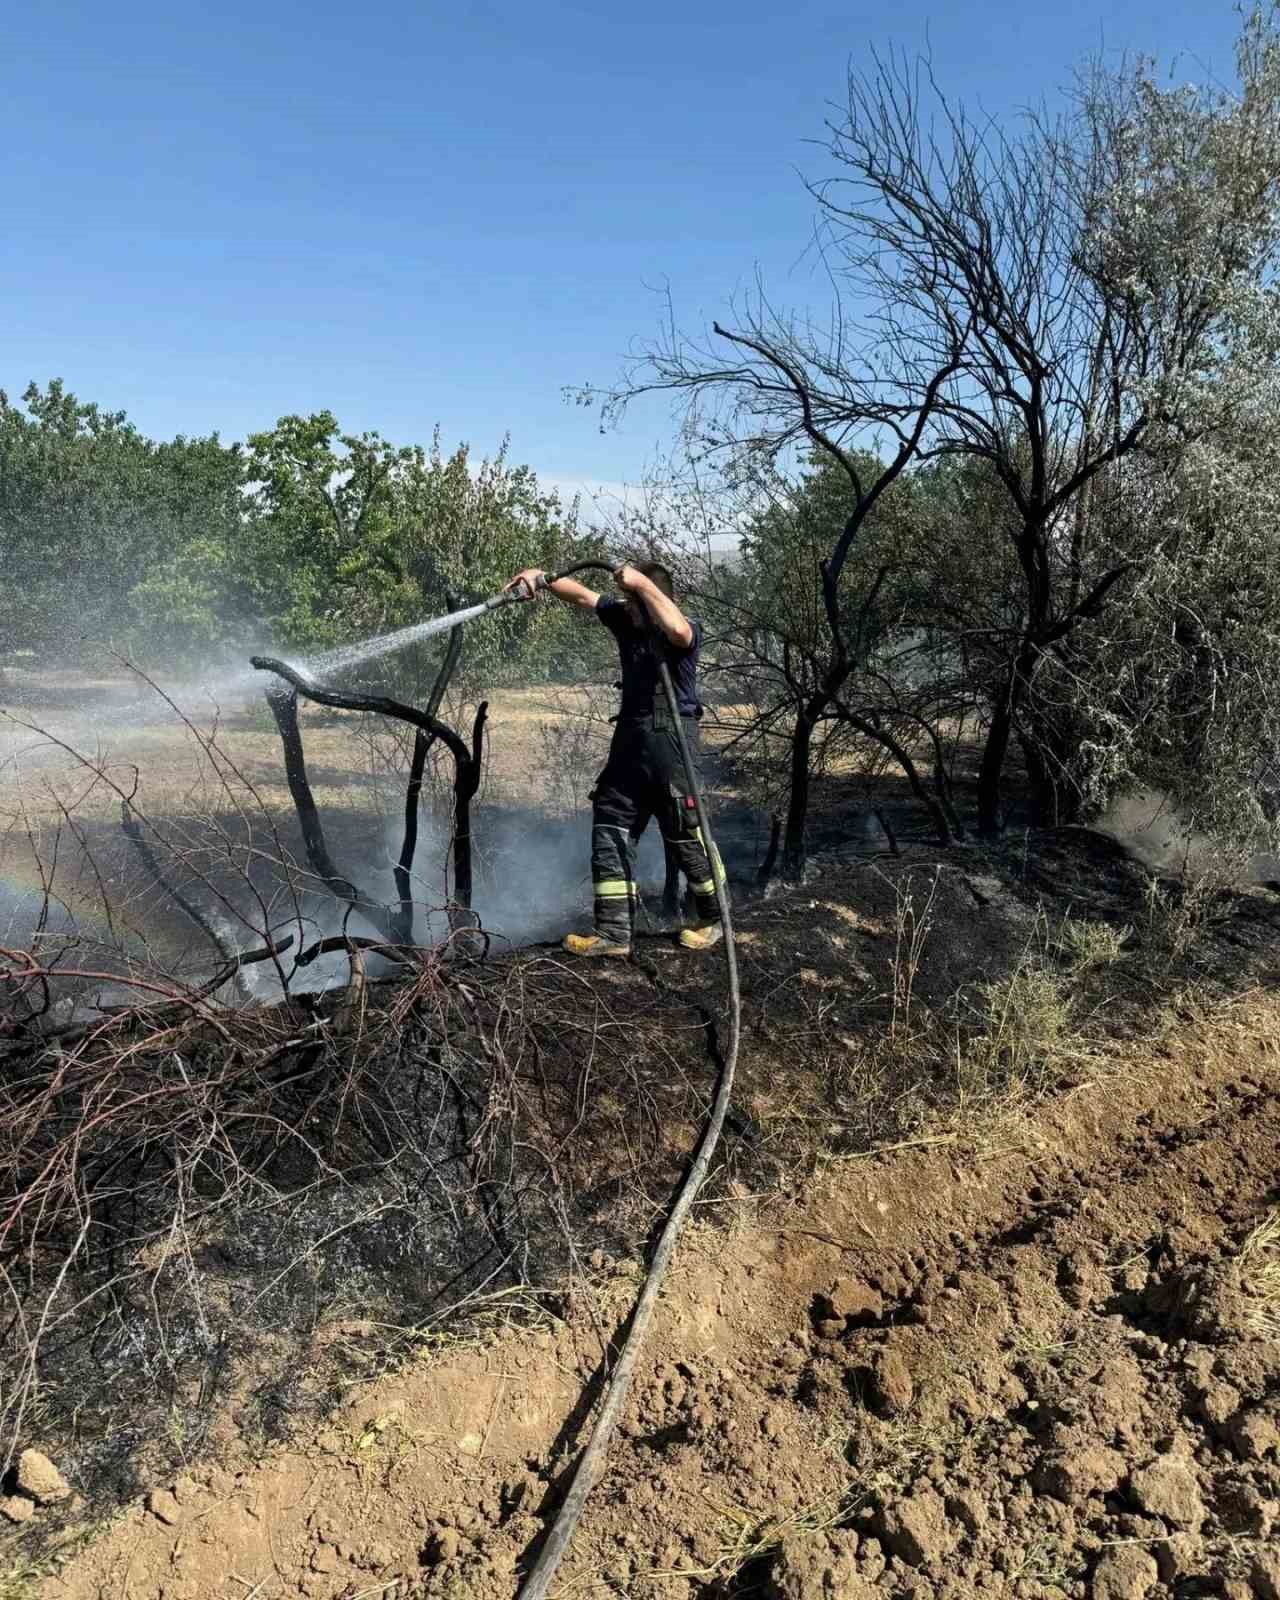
[645,776]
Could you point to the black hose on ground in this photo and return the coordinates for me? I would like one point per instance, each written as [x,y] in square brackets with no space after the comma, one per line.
[592,1461]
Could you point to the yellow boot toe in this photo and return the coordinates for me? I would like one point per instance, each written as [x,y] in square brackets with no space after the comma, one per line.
[591,944]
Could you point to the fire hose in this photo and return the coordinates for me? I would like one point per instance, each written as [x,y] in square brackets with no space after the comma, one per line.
[592,1460]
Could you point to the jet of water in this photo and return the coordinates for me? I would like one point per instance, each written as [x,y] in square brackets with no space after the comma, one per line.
[319,667]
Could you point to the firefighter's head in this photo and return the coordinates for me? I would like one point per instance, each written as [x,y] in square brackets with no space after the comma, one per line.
[660,577]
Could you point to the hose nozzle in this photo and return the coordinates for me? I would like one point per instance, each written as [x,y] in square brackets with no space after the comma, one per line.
[524,591]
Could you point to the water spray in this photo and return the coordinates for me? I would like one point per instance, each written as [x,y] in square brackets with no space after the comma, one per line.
[344,656]
[591,1462]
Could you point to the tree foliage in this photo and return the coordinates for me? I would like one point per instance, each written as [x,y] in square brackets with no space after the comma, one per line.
[348,537]
[107,534]
[1066,321]
[304,537]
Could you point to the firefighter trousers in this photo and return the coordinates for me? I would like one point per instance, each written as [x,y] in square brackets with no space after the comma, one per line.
[645,777]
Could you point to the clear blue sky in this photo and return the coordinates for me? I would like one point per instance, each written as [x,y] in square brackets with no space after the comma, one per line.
[413,213]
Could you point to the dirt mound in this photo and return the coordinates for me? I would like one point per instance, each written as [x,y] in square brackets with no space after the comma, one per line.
[1049,1372]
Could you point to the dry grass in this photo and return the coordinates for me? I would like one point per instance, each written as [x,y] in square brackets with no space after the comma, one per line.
[1046,1562]
[21,1577]
[991,1049]
[174,770]
[1177,914]
[744,1537]
[20,1582]
[1090,946]
[1022,1029]
[1258,1268]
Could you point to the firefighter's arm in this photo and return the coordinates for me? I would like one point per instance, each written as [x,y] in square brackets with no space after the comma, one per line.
[665,613]
[576,594]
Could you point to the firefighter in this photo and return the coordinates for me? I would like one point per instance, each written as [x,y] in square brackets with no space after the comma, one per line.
[645,774]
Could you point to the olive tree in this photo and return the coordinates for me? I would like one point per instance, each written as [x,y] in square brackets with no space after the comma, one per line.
[1176,690]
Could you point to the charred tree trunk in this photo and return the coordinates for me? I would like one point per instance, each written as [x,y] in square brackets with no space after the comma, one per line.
[466,782]
[422,742]
[941,815]
[765,874]
[793,842]
[1004,718]
[1040,633]
[1047,746]
[851,638]
[466,759]
[284,708]
[1045,794]
[990,772]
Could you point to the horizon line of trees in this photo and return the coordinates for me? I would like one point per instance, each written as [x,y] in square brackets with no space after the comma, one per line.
[183,551]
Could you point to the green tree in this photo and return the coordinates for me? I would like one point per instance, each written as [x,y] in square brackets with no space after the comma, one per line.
[891,700]
[464,527]
[1175,690]
[96,523]
[1108,275]
[349,536]
[319,558]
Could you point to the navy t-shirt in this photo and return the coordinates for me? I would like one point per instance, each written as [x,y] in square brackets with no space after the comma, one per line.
[641,690]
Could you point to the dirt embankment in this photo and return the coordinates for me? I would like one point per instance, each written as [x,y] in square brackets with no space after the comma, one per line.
[1050,1370]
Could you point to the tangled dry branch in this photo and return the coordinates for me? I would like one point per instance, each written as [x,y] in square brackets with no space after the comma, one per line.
[184,1181]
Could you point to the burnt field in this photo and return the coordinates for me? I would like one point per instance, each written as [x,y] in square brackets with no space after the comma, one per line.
[233,1215]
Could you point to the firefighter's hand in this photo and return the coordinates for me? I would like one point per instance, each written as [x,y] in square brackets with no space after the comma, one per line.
[628,579]
[527,583]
